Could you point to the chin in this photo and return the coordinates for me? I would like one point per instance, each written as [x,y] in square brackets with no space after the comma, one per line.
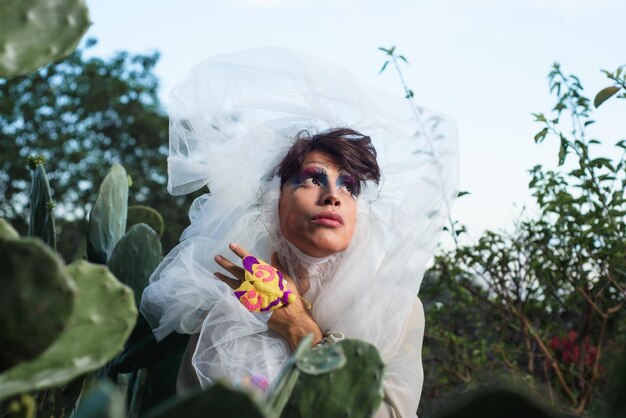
[322,249]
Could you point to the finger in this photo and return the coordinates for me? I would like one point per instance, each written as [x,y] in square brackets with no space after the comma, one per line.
[233,269]
[228,280]
[240,251]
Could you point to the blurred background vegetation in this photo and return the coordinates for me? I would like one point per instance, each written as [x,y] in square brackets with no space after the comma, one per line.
[83,114]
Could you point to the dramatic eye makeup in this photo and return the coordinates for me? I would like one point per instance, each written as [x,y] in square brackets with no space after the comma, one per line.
[319,177]
[316,174]
[349,182]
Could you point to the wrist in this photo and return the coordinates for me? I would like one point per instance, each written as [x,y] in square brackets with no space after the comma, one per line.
[293,325]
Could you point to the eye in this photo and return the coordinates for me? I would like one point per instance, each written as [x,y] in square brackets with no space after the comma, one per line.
[312,176]
[349,184]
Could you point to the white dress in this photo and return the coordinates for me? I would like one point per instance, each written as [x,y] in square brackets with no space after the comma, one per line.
[232,120]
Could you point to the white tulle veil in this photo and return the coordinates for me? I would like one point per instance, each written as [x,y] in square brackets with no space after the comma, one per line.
[233,118]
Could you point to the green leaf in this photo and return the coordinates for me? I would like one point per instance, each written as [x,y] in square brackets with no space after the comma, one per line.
[563,150]
[539,117]
[383,68]
[462,194]
[604,95]
[541,135]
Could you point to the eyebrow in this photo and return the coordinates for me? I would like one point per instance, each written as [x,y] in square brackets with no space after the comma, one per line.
[315,161]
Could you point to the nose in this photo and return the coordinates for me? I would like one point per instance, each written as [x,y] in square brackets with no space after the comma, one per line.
[331,197]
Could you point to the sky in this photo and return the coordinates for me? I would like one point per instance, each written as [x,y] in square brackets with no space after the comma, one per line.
[482,62]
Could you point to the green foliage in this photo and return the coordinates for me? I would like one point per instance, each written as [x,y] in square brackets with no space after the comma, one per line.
[145,214]
[103,400]
[36,300]
[543,303]
[327,388]
[496,403]
[107,219]
[135,257]
[41,204]
[218,401]
[22,406]
[619,77]
[85,114]
[7,231]
[34,33]
[103,316]
[614,401]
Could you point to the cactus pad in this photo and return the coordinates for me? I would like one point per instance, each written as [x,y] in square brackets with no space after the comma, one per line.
[36,299]
[217,401]
[41,205]
[103,316]
[7,231]
[34,33]
[321,360]
[135,257]
[354,390]
[496,403]
[145,214]
[103,400]
[107,219]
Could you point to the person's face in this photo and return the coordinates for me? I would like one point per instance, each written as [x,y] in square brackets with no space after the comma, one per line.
[317,207]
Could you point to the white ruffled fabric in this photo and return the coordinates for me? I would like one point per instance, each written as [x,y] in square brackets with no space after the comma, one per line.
[232,120]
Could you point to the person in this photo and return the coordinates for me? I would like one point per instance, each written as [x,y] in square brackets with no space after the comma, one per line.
[341,188]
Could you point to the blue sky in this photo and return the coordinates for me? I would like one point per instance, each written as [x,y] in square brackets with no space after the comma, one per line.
[483,62]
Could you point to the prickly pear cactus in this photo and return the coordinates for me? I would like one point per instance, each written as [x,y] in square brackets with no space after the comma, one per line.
[218,401]
[103,316]
[103,400]
[34,33]
[107,219]
[496,403]
[41,205]
[7,231]
[23,406]
[324,388]
[135,257]
[145,214]
[36,299]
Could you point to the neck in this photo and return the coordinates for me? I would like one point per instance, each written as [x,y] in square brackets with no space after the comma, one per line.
[307,259]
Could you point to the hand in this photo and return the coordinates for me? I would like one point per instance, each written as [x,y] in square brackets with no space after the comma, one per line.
[292,321]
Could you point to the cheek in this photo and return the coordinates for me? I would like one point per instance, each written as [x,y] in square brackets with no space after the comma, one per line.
[351,220]
[289,209]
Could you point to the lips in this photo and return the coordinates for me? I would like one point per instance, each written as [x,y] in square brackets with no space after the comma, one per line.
[330,219]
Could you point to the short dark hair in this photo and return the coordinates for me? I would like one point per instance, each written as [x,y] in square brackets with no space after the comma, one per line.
[351,150]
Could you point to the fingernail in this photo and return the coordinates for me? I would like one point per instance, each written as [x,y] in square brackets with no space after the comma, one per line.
[218,258]
[232,245]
